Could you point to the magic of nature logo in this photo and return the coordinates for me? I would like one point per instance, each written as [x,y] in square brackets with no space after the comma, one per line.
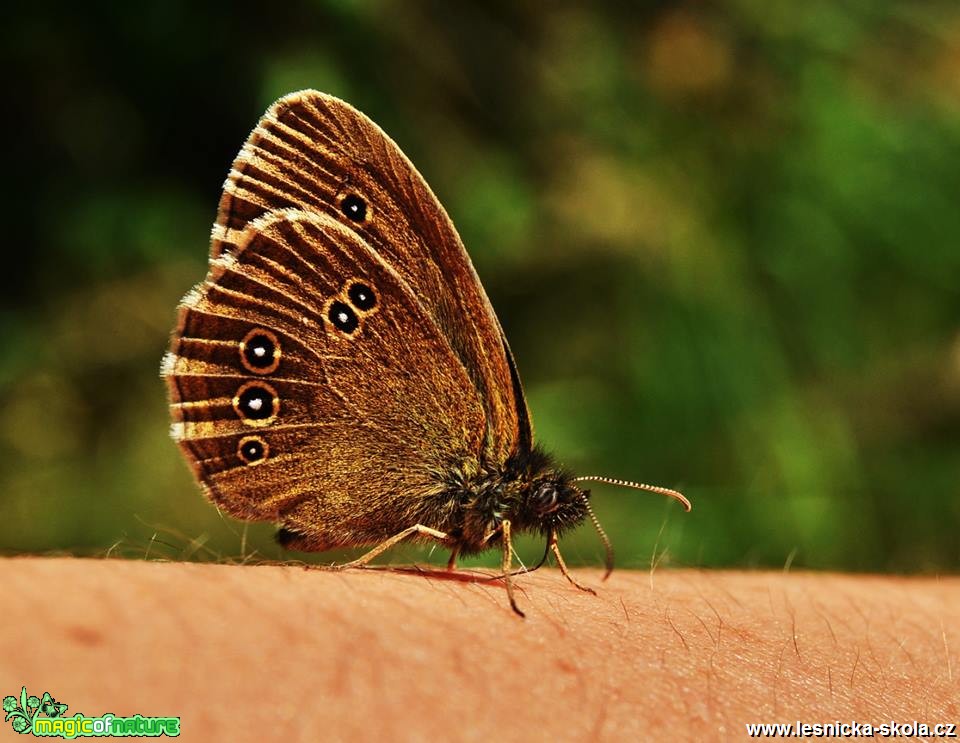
[44,716]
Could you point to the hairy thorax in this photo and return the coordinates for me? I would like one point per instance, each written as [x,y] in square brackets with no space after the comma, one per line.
[528,490]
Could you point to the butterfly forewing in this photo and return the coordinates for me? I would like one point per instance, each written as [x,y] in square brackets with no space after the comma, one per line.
[316,153]
[310,385]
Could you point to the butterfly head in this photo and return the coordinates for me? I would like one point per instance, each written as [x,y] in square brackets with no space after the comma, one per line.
[552,503]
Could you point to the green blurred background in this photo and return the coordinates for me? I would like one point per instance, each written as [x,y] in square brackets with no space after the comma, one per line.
[722,238]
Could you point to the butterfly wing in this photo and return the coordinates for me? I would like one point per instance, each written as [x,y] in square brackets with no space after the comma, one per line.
[310,385]
[316,153]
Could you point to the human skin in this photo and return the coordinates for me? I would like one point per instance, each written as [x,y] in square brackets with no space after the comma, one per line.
[285,653]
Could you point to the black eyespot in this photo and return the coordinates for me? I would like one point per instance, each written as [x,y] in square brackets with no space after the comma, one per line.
[342,316]
[252,449]
[362,296]
[545,499]
[354,208]
[260,351]
[256,403]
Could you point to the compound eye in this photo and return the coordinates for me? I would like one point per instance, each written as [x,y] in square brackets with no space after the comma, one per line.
[545,498]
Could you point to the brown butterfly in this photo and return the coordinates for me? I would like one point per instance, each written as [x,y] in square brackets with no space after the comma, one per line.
[341,371]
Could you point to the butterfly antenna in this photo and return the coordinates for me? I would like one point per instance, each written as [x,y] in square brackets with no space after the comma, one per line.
[603,535]
[675,494]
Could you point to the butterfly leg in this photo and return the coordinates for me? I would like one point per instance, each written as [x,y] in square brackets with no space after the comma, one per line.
[418,529]
[506,565]
[452,562]
[555,549]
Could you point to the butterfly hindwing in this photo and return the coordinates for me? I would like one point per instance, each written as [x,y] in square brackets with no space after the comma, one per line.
[310,385]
